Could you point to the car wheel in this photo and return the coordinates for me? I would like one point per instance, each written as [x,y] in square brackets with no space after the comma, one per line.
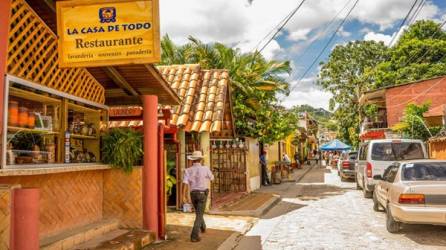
[391,225]
[367,194]
[376,206]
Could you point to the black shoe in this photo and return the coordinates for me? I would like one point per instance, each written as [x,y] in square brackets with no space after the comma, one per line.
[196,239]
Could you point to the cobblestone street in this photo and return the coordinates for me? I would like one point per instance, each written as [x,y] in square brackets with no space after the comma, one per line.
[332,215]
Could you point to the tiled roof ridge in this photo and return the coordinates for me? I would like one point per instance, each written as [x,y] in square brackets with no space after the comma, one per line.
[203,94]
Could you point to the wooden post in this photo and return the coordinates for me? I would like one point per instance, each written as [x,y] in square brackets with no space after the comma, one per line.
[25,219]
[162,185]
[180,167]
[5,12]
[150,175]
[205,141]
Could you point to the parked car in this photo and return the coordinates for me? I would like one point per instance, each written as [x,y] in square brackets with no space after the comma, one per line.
[346,165]
[376,155]
[412,192]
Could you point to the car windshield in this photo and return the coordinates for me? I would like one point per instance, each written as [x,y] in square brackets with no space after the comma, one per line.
[435,171]
[397,151]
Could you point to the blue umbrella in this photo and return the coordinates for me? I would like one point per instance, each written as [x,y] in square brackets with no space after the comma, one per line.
[335,145]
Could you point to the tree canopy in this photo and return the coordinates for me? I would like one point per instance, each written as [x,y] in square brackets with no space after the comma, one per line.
[359,66]
[346,74]
[418,54]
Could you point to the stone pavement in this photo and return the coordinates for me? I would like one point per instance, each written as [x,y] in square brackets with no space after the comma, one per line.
[334,215]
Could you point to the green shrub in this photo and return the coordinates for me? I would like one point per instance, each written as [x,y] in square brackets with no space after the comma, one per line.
[122,148]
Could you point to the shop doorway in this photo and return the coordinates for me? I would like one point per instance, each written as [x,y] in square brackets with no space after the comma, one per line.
[228,163]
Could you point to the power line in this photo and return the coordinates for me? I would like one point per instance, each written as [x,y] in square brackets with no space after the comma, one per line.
[326,46]
[417,11]
[403,22]
[282,25]
[271,31]
[327,27]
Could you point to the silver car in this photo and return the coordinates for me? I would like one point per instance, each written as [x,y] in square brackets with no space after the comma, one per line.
[375,155]
[412,192]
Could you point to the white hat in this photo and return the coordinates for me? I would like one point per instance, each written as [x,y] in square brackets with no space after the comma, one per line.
[196,155]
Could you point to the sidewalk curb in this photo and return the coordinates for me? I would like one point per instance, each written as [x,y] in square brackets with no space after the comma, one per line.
[231,242]
[252,213]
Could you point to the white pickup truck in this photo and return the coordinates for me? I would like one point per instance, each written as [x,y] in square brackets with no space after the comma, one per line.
[376,155]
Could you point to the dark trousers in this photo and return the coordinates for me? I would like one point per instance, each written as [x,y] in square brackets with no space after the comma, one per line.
[199,202]
[265,180]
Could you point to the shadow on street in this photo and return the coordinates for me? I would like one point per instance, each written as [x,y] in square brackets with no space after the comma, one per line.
[178,238]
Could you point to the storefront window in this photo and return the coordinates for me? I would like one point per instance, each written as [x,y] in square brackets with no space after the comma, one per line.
[49,128]
[34,124]
[84,129]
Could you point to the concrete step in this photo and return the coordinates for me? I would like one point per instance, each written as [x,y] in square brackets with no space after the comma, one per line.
[122,239]
[70,238]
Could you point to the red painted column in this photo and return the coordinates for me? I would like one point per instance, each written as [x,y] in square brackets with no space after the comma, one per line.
[162,184]
[5,12]
[25,219]
[150,176]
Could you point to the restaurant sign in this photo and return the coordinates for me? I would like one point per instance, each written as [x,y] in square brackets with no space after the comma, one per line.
[107,32]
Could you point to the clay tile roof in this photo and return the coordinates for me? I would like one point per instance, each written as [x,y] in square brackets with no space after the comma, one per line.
[203,95]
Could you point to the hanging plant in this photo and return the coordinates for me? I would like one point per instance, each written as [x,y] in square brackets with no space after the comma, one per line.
[122,148]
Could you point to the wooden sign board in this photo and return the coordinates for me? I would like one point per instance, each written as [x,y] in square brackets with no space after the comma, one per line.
[125,111]
[108,32]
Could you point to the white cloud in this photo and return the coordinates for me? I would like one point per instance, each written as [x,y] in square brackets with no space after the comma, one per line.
[272,50]
[385,12]
[306,92]
[378,37]
[299,35]
[314,97]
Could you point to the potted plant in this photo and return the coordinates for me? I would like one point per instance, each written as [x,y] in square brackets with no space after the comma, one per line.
[122,148]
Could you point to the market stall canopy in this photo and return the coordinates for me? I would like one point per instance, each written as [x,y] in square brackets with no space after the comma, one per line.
[123,84]
[335,145]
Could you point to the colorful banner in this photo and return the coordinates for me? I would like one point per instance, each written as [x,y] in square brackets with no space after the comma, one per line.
[108,32]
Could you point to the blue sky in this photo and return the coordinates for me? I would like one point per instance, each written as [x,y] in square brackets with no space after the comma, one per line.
[242,25]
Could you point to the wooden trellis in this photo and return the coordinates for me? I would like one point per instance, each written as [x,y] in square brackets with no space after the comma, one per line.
[32,55]
[228,163]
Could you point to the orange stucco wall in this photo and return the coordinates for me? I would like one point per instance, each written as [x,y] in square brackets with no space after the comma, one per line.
[397,98]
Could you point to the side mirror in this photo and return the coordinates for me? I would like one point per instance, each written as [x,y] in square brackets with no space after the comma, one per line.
[377,177]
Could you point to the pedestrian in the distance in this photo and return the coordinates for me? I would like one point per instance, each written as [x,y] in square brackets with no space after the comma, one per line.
[316,157]
[198,178]
[296,159]
[286,158]
[263,165]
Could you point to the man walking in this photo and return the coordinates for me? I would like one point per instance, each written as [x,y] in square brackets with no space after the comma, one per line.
[198,178]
